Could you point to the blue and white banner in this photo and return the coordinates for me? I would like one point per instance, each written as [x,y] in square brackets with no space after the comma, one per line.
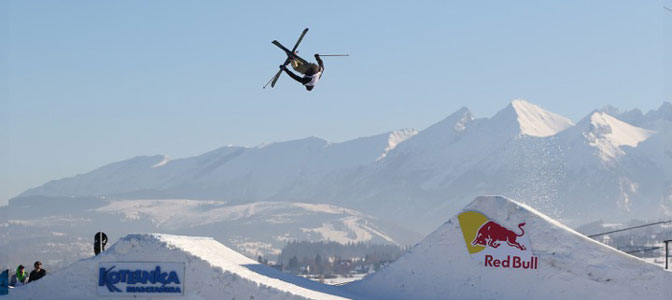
[141,278]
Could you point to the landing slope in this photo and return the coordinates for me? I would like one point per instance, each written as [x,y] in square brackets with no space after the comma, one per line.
[566,264]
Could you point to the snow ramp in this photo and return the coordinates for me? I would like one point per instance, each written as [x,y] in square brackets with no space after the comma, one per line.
[497,248]
[149,266]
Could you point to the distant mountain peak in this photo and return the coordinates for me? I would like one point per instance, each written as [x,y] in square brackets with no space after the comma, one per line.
[608,134]
[162,163]
[395,138]
[467,117]
[633,116]
[455,122]
[664,112]
[535,121]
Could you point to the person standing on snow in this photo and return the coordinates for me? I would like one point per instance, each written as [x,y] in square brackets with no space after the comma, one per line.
[311,72]
[99,242]
[37,273]
[20,278]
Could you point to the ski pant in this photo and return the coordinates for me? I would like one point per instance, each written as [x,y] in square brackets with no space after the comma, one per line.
[304,68]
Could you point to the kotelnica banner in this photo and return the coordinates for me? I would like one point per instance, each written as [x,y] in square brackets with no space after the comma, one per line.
[153,279]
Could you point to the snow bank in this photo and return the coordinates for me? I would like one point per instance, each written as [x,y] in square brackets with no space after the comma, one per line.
[568,264]
[211,271]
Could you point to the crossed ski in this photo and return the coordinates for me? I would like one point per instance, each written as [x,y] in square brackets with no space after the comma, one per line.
[290,56]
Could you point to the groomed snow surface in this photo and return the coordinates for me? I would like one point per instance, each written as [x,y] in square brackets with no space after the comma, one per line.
[570,266]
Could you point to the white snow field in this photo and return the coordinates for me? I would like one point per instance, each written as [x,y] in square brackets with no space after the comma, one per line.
[569,266]
[530,256]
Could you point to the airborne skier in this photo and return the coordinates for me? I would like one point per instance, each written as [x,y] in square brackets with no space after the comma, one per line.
[311,72]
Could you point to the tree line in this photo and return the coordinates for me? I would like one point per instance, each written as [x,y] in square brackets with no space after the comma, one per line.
[331,258]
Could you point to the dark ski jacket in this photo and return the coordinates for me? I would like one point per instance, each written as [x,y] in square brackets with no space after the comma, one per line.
[313,71]
[35,275]
[99,242]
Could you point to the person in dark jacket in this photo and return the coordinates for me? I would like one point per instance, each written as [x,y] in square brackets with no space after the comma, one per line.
[99,242]
[37,273]
[311,72]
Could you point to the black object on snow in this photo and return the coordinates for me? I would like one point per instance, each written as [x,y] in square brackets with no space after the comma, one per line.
[99,242]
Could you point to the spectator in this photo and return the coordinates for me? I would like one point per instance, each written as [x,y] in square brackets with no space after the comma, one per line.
[4,282]
[37,273]
[20,278]
[99,241]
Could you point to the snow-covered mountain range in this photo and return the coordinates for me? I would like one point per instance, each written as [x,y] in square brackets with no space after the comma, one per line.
[610,165]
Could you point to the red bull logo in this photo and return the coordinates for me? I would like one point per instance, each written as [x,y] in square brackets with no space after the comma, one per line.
[492,234]
[495,245]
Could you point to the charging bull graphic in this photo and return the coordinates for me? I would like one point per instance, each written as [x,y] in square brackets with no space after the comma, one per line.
[494,245]
[492,233]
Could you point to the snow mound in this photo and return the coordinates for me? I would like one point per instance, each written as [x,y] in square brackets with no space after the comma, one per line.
[211,271]
[535,121]
[562,264]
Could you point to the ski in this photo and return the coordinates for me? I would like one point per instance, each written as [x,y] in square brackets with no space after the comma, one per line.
[290,55]
[300,39]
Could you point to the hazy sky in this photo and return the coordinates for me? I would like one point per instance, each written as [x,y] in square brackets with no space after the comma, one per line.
[93,82]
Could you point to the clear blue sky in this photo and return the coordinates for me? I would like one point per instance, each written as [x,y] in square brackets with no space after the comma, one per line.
[93,82]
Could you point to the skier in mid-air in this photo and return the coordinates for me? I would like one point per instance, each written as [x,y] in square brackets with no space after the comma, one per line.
[311,72]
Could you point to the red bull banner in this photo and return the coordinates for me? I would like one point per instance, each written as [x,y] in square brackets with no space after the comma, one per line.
[496,246]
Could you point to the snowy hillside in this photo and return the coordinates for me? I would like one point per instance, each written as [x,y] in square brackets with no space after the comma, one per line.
[608,135]
[564,263]
[211,271]
[61,231]
[599,168]
[236,174]
[584,172]
[260,228]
